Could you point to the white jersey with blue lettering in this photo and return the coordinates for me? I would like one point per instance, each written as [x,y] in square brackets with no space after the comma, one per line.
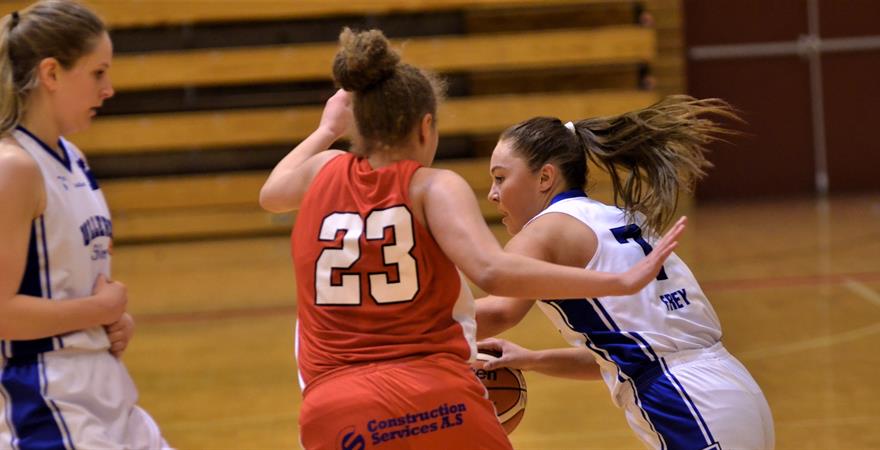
[659,350]
[70,242]
[68,391]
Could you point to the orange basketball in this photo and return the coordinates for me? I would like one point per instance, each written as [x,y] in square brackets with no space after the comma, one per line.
[507,391]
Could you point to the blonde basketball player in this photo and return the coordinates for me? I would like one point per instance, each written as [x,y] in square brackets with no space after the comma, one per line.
[659,350]
[62,322]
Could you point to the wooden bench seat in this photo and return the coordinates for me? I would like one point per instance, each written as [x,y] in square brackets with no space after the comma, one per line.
[474,53]
[205,130]
[147,13]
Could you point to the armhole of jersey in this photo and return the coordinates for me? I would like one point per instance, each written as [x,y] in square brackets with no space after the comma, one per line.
[41,180]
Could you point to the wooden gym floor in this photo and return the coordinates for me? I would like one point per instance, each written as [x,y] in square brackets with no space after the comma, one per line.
[796,284]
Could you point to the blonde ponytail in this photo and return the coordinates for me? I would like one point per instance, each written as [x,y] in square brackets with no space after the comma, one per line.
[10,101]
[60,29]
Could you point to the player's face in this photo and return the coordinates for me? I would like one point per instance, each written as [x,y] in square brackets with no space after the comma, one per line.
[515,188]
[83,88]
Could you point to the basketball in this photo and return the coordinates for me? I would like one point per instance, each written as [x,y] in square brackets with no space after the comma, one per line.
[507,391]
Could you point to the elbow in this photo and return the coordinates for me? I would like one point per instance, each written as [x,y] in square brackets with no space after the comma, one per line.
[269,200]
[491,279]
[265,199]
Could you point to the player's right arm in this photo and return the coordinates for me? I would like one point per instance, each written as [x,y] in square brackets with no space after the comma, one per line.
[576,363]
[286,186]
[26,317]
[468,242]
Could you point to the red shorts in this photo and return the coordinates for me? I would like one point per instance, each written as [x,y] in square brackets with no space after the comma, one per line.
[428,403]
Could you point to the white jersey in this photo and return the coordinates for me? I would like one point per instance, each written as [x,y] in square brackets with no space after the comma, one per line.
[53,394]
[70,243]
[629,333]
[659,350]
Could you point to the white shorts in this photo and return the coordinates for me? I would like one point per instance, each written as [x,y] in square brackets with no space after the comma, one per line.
[700,399]
[70,399]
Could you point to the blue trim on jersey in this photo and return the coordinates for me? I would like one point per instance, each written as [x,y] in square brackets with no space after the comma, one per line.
[573,193]
[583,317]
[46,257]
[31,284]
[34,422]
[668,407]
[30,281]
[65,160]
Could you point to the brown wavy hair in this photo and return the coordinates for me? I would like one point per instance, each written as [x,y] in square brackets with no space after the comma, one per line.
[390,97]
[651,154]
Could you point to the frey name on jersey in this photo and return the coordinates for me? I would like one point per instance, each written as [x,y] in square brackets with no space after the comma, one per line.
[675,300]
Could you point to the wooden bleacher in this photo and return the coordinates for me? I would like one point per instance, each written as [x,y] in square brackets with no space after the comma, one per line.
[531,69]
[474,115]
[609,45]
[140,13]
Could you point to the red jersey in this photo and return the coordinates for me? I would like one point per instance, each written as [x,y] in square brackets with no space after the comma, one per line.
[372,283]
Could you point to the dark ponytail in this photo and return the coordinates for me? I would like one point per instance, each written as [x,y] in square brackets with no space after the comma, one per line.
[651,154]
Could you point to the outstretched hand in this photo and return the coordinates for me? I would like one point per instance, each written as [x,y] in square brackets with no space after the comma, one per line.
[647,269]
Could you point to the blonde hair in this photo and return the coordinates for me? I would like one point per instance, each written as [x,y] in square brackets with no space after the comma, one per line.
[60,29]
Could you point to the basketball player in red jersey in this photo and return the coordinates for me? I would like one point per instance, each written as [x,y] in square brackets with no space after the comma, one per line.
[385,323]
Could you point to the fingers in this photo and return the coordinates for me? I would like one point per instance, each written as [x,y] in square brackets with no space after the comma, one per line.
[118,343]
[664,253]
[490,344]
[671,236]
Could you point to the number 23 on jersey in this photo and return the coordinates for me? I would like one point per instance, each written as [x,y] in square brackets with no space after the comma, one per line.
[347,292]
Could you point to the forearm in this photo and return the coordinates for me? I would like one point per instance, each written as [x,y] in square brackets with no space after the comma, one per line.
[321,139]
[289,180]
[575,363]
[24,317]
[508,274]
[490,318]
[496,315]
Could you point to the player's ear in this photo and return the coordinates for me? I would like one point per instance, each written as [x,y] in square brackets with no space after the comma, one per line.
[426,127]
[48,72]
[547,177]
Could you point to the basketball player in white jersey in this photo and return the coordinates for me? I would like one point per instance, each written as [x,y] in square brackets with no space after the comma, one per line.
[62,322]
[659,350]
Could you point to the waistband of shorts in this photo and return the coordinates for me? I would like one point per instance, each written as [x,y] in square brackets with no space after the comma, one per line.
[676,359]
[669,360]
[377,366]
[681,357]
[30,348]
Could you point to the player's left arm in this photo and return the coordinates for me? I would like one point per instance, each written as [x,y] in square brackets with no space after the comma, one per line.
[286,186]
[572,362]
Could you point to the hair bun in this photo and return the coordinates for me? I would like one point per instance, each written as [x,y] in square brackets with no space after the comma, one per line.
[364,59]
